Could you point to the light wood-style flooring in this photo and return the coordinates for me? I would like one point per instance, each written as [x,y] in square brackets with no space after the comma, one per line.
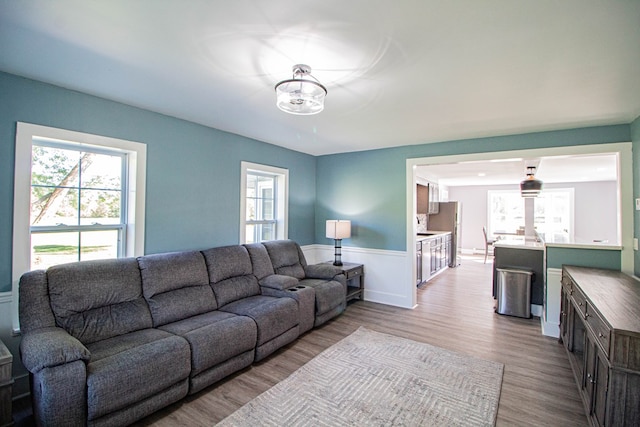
[456,312]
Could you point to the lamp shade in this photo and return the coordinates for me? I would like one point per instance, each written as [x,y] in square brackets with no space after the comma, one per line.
[338,229]
[531,186]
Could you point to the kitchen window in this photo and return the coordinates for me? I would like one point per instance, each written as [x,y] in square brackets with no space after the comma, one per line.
[553,213]
[263,203]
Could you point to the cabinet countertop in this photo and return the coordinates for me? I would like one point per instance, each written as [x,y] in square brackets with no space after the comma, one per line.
[430,234]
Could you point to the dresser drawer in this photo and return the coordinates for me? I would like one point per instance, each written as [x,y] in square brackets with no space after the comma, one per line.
[579,300]
[599,327]
[354,273]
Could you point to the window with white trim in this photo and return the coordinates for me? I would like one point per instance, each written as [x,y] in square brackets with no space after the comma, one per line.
[77,196]
[553,213]
[264,201]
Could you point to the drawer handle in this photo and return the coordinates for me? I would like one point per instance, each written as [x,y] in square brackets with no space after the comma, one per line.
[590,378]
[600,335]
[580,304]
[586,316]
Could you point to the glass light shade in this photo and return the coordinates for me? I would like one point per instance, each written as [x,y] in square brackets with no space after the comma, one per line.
[300,96]
[530,187]
[338,229]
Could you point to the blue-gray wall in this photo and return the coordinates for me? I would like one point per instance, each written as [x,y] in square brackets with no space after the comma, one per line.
[370,187]
[193,172]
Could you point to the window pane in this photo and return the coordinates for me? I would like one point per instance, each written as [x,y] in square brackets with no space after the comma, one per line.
[267,209]
[48,249]
[267,232]
[251,210]
[101,171]
[54,206]
[100,207]
[99,244]
[250,234]
[54,166]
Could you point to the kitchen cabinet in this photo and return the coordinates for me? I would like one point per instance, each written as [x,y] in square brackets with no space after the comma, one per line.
[427,198]
[418,263]
[435,254]
[600,330]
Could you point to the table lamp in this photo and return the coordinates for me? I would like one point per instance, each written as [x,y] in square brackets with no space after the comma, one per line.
[338,229]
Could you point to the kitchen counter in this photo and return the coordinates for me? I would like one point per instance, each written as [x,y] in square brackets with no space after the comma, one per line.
[523,242]
[520,242]
[430,234]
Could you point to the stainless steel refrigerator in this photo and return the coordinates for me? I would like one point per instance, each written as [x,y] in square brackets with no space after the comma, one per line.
[448,219]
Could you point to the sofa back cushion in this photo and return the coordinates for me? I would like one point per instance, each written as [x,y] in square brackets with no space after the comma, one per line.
[286,257]
[34,302]
[260,261]
[231,273]
[95,300]
[176,286]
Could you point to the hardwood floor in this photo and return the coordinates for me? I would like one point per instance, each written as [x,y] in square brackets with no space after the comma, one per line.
[456,311]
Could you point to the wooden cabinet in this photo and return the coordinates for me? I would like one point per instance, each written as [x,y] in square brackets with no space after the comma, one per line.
[600,329]
[354,273]
[427,199]
[5,386]
[436,254]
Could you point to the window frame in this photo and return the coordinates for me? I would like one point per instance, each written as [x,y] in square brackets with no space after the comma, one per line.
[135,192]
[281,198]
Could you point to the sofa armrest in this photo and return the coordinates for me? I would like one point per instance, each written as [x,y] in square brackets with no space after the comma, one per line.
[49,347]
[278,281]
[322,271]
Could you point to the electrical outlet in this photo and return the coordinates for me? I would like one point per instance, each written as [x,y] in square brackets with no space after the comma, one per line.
[635,244]
[638,204]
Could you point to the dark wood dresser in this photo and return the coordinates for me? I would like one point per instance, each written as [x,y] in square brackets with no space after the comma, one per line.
[600,328]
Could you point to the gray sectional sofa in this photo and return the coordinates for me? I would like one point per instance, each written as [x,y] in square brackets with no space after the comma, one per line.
[109,342]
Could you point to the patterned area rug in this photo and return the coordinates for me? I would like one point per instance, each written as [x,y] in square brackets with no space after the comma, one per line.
[370,378]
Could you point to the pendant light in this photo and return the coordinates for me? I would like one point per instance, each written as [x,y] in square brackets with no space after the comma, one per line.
[301,95]
[531,186]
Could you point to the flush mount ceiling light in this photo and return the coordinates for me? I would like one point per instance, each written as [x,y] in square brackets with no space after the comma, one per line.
[531,186]
[300,95]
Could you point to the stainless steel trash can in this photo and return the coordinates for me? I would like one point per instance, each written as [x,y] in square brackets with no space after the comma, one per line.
[514,292]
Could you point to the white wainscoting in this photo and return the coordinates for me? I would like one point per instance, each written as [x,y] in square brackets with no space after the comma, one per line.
[387,274]
[551,314]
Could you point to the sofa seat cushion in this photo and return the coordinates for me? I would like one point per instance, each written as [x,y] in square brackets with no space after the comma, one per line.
[329,294]
[278,281]
[129,368]
[214,337]
[273,316]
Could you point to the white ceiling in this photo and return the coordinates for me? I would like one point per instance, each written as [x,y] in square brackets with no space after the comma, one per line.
[555,169]
[398,72]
